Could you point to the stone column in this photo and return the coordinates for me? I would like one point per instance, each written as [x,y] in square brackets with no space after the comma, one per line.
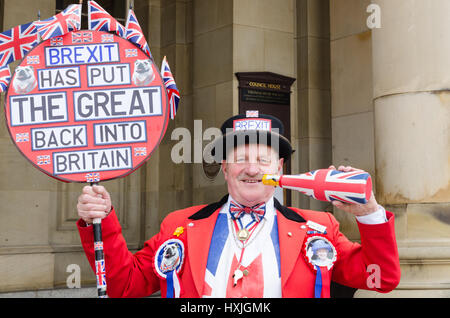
[352,116]
[311,127]
[412,137]
[212,86]
[168,185]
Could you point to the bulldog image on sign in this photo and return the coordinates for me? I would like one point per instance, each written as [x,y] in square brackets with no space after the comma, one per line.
[143,72]
[24,81]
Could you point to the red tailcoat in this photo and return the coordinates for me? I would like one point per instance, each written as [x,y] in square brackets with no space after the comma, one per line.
[129,275]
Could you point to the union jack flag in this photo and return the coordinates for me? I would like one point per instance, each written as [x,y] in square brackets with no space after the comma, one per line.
[5,77]
[43,160]
[81,37]
[100,273]
[331,185]
[56,41]
[98,246]
[93,177]
[16,42]
[252,113]
[100,20]
[134,33]
[130,52]
[33,59]
[107,38]
[60,24]
[172,91]
[22,137]
[140,151]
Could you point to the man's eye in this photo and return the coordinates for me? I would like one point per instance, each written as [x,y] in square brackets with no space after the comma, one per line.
[240,160]
[264,161]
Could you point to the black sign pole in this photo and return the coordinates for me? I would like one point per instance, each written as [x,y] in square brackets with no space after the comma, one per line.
[100,269]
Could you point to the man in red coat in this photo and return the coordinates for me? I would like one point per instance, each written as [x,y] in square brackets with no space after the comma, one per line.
[247,244]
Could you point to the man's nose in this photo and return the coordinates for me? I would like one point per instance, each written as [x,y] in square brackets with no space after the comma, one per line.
[252,169]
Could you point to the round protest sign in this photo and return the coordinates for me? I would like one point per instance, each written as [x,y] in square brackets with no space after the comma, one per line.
[87,106]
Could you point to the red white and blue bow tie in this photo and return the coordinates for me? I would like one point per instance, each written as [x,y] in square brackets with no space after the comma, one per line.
[257,211]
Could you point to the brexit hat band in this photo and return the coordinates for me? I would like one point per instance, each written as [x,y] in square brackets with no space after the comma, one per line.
[252,124]
[248,129]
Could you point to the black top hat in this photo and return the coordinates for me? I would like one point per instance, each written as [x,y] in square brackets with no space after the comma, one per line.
[246,129]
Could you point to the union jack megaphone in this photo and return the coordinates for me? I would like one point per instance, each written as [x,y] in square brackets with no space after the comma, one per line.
[327,185]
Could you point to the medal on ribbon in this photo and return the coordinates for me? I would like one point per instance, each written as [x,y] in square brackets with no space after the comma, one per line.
[169,259]
[321,255]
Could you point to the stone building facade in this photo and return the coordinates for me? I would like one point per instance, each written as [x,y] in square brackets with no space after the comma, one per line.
[370,89]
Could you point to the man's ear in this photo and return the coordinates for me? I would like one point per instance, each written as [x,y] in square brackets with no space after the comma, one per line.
[280,165]
[224,169]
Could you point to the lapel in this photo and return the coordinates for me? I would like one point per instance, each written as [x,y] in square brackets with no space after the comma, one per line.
[291,234]
[199,234]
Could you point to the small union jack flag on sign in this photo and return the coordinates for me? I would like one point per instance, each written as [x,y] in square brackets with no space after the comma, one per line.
[171,87]
[100,273]
[135,35]
[140,151]
[81,37]
[43,160]
[107,38]
[60,24]
[16,42]
[22,137]
[130,52]
[33,59]
[100,20]
[93,177]
[56,41]
[5,77]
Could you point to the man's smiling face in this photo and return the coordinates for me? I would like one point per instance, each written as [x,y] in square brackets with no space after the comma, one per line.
[243,171]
